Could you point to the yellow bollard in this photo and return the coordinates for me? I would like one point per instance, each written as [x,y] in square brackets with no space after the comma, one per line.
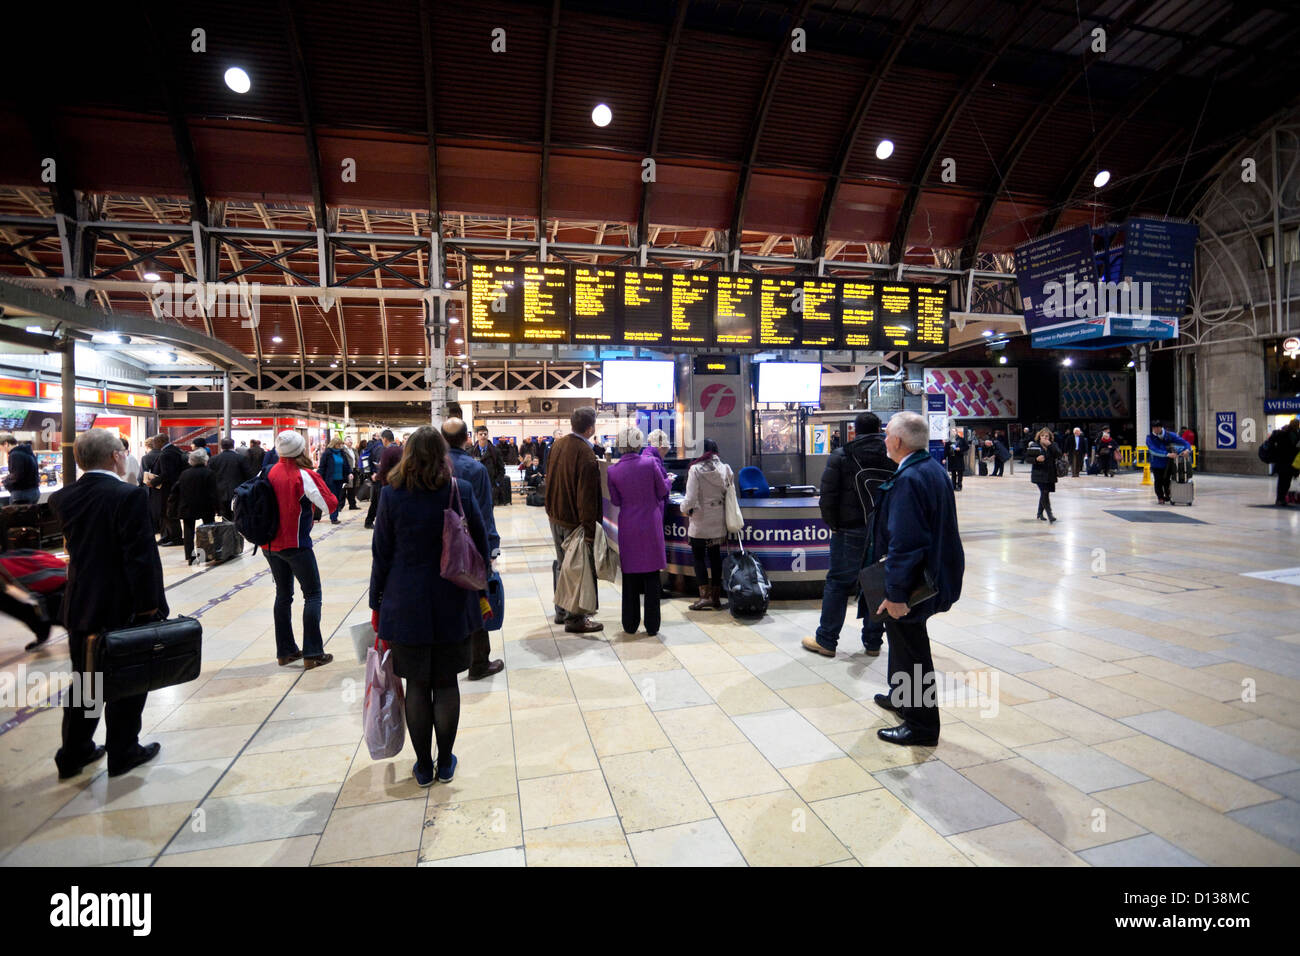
[1146,472]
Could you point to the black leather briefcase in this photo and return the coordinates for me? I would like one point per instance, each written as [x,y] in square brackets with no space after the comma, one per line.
[136,660]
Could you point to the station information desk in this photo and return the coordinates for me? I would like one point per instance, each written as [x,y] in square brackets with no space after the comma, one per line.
[786,534]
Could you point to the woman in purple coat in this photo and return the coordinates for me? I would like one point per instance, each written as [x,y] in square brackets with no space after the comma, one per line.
[639,488]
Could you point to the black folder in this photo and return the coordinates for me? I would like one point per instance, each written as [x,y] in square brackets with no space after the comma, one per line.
[871,580]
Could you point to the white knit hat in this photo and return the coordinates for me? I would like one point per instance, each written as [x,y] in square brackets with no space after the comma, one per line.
[630,437]
[289,444]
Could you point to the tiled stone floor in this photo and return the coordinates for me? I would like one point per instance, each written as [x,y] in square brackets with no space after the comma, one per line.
[1147,712]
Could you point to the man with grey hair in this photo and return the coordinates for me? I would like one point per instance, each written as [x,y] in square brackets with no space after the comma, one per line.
[573,500]
[917,536]
[114,579]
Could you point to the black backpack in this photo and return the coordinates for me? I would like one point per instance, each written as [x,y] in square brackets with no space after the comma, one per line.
[867,482]
[256,511]
[1266,450]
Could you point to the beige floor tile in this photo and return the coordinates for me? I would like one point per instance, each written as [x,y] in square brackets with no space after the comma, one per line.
[739,693]
[881,831]
[1076,662]
[588,843]
[1272,736]
[779,829]
[814,695]
[473,826]
[320,703]
[539,687]
[486,765]
[1009,726]
[1013,690]
[707,659]
[1211,785]
[564,798]
[873,754]
[217,713]
[244,688]
[621,730]
[644,656]
[307,733]
[1090,693]
[733,770]
[1263,682]
[1274,707]
[841,718]
[829,778]
[599,688]
[295,851]
[93,839]
[482,710]
[1074,720]
[1069,816]
[551,740]
[961,745]
[286,769]
[1194,827]
[692,728]
[653,789]
[1018,843]
[1178,699]
[1190,678]
[1094,647]
[354,833]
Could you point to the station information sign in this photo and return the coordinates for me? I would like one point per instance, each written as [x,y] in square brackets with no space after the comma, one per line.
[570,303]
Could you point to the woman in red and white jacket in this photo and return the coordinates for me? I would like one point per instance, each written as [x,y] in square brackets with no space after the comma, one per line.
[290,555]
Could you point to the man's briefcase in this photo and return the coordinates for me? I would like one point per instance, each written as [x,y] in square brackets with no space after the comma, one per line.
[136,660]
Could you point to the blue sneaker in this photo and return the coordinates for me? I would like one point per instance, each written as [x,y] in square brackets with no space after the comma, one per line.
[444,776]
[423,779]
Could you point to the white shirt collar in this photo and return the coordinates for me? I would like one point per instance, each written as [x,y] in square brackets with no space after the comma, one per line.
[103,471]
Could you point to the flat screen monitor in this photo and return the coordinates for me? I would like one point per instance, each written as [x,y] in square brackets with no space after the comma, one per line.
[784,382]
[627,381]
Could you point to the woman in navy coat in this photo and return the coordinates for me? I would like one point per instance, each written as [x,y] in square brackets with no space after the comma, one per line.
[427,619]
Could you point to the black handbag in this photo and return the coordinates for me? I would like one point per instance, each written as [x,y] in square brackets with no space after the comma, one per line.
[871,580]
[136,660]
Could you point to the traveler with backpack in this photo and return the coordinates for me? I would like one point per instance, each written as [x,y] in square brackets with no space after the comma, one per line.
[197,498]
[336,471]
[1163,448]
[426,618]
[232,470]
[289,553]
[1280,451]
[849,493]
[705,507]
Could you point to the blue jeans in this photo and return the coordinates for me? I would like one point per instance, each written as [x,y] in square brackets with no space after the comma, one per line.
[299,563]
[27,496]
[336,489]
[848,551]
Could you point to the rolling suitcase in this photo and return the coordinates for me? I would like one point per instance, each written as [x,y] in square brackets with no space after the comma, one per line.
[22,538]
[746,583]
[218,542]
[1182,489]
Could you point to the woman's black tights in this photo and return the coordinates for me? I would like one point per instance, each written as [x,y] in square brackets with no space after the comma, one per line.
[1044,502]
[433,709]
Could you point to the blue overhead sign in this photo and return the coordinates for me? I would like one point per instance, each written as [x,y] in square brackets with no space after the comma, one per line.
[1162,254]
[1225,430]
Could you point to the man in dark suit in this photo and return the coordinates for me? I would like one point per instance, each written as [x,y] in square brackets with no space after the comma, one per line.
[171,462]
[1077,449]
[114,579]
[232,470]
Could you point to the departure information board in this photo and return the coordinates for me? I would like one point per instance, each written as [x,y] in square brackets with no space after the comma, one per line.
[596,310]
[820,314]
[735,313]
[494,302]
[931,318]
[645,306]
[544,316]
[691,308]
[569,303]
[778,318]
[859,314]
[897,314]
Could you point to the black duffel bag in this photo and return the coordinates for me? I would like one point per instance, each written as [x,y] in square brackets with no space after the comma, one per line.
[363,492]
[136,660]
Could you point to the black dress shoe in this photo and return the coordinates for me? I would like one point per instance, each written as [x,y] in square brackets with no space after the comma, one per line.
[906,736]
[492,667]
[66,773]
[142,756]
[884,703]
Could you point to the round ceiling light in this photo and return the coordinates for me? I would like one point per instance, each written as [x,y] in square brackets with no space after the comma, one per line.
[238,80]
[884,149]
[151,277]
[276,339]
[602,115]
[1101,179]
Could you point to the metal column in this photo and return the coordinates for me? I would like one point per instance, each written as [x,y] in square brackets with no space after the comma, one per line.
[225,406]
[68,433]
[1142,356]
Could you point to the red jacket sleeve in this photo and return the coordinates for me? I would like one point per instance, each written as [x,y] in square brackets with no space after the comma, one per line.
[324,490]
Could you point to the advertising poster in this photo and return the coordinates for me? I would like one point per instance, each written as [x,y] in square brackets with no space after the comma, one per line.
[1089,394]
[976,392]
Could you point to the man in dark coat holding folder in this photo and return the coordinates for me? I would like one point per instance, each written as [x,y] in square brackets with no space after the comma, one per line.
[917,535]
[114,579]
